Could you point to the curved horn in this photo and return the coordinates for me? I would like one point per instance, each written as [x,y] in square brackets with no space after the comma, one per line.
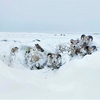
[58,55]
[78,41]
[94,47]
[86,48]
[39,47]
[82,36]
[90,37]
[49,54]
[71,41]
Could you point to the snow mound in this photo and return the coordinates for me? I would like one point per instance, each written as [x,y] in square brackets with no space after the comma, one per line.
[78,78]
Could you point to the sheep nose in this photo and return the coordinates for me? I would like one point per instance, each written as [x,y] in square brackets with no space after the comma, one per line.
[90,53]
[85,54]
[84,43]
[74,46]
[54,62]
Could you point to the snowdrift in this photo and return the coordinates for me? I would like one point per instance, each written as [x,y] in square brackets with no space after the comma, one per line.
[78,78]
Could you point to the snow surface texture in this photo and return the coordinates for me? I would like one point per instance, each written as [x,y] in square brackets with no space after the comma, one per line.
[78,78]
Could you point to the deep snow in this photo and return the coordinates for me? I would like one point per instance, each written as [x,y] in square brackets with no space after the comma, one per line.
[78,78]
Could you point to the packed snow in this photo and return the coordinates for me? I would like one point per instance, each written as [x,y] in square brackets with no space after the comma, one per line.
[77,78]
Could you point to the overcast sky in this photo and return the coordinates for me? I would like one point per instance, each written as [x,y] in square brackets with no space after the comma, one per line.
[50,15]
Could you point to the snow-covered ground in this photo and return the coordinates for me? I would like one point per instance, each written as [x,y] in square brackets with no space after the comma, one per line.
[78,78]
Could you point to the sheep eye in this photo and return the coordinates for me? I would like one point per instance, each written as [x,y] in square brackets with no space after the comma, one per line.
[51,57]
[72,42]
[87,39]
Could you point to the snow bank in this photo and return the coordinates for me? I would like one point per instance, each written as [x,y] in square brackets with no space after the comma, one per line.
[76,79]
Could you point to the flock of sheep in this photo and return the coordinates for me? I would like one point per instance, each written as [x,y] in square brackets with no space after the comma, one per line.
[37,58]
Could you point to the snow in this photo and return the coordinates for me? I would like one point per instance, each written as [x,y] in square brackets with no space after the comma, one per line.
[78,78]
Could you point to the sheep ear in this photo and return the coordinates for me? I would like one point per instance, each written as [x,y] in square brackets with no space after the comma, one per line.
[49,54]
[82,36]
[16,47]
[90,37]
[78,41]
[71,41]
[94,48]
[58,55]
[36,44]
